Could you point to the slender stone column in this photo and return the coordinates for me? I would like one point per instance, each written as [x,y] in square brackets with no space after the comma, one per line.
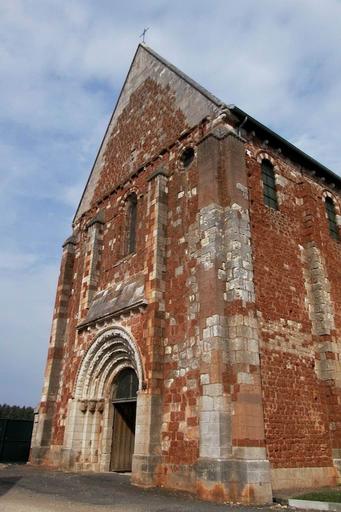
[147,452]
[43,428]
[232,445]
[91,263]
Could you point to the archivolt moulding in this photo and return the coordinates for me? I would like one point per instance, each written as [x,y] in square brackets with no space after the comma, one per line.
[112,350]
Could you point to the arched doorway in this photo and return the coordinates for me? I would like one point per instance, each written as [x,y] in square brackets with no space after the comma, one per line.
[109,375]
[123,433]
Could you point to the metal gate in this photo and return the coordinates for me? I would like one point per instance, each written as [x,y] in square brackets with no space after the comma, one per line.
[15,440]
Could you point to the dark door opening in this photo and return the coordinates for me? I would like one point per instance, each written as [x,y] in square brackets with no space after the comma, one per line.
[123,435]
[15,440]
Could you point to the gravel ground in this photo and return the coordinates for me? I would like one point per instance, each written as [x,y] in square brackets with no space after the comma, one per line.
[24,488]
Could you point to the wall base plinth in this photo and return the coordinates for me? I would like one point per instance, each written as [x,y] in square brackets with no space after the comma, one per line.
[68,458]
[233,480]
[219,480]
[301,478]
[145,470]
[39,455]
[46,456]
[337,464]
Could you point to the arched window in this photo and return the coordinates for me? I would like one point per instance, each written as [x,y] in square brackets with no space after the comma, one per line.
[131,223]
[269,185]
[331,215]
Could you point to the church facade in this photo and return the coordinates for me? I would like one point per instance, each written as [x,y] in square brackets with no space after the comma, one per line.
[196,335]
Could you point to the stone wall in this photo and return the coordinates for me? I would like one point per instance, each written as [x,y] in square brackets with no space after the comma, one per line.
[229,311]
[297,282]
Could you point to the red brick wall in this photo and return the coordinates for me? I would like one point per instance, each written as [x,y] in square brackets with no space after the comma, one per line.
[180,428]
[147,124]
[296,419]
[299,408]
[158,126]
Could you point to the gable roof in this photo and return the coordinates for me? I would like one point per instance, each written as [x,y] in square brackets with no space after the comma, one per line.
[251,123]
[147,63]
[248,123]
[291,151]
[186,78]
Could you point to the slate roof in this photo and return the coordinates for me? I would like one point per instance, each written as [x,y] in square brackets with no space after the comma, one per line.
[252,124]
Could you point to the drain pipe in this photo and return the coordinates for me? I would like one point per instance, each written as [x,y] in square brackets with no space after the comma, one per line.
[239,129]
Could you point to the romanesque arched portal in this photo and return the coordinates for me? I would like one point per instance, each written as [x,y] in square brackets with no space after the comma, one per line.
[88,435]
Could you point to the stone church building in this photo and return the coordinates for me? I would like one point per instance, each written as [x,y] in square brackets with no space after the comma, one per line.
[196,335]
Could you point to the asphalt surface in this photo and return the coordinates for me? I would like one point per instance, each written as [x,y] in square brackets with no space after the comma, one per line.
[24,488]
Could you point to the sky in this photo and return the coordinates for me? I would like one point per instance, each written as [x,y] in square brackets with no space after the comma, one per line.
[62,64]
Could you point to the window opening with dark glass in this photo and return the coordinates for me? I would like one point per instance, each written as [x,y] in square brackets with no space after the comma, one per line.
[132,219]
[332,222]
[269,185]
[187,156]
[125,386]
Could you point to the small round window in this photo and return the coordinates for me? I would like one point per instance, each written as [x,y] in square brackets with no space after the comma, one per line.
[187,156]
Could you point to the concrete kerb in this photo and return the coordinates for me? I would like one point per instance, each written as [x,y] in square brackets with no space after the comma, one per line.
[314,505]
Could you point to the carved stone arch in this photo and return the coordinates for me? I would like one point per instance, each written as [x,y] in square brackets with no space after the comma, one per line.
[89,425]
[130,191]
[112,350]
[326,193]
[269,178]
[332,214]
[263,155]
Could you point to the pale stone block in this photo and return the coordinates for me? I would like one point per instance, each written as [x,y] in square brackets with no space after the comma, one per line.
[244,378]
[206,403]
[204,378]
[212,390]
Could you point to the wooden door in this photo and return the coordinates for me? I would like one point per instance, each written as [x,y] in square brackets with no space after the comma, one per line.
[123,437]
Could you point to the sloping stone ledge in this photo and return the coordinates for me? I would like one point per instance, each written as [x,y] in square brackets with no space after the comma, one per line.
[116,301]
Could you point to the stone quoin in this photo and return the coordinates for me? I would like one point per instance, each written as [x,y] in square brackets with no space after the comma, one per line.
[196,335]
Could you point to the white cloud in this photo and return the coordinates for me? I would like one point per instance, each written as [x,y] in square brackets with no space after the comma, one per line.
[267,57]
[61,67]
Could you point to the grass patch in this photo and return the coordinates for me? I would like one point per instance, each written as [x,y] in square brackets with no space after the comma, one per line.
[333,496]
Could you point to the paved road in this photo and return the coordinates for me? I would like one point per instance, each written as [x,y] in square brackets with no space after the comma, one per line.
[29,489]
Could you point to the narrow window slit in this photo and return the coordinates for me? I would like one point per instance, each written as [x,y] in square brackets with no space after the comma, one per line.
[131,223]
[269,185]
[332,222]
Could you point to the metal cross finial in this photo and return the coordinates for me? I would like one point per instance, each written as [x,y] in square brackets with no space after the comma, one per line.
[144,34]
